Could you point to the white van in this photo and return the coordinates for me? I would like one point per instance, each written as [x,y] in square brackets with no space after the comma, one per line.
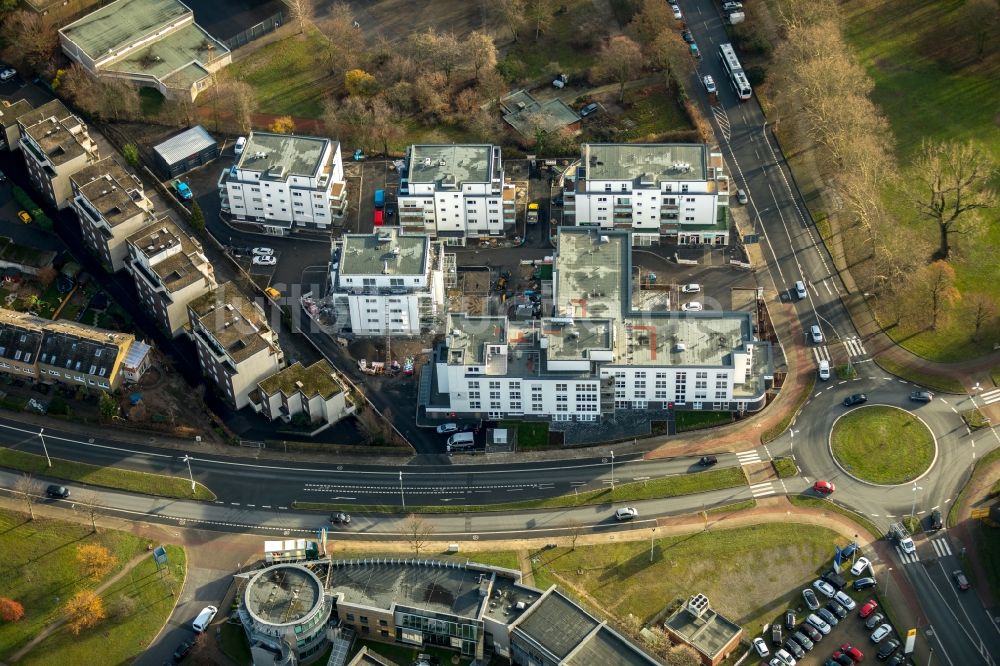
[204,618]
[461,440]
[800,289]
[824,370]
[240,145]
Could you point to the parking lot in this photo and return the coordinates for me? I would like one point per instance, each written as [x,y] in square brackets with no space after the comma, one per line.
[722,286]
[850,630]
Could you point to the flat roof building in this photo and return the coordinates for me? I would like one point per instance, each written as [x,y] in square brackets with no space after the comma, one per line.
[185,151]
[146,42]
[55,144]
[527,115]
[710,634]
[318,392]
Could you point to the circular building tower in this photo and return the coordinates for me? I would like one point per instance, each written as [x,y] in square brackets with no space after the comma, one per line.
[285,611]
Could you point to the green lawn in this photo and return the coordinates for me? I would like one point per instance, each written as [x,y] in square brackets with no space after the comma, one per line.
[974,419]
[654,112]
[785,467]
[620,577]
[555,46]
[935,382]
[929,86]
[530,434]
[39,569]
[777,429]
[697,420]
[234,643]
[671,486]
[735,506]
[105,477]
[138,605]
[882,444]
[502,558]
[402,654]
[286,77]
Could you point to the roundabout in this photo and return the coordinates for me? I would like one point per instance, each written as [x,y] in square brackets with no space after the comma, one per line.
[882,445]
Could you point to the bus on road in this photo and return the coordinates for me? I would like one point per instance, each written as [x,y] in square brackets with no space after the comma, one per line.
[735,71]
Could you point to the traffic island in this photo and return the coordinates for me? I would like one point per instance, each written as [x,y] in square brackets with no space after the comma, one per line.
[882,445]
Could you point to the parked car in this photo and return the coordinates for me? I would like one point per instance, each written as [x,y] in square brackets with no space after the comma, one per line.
[824,370]
[690,288]
[790,620]
[827,617]
[709,83]
[677,12]
[803,640]
[793,648]
[447,428]
[589,109]
[921,396]
[240,144]
[3,177]
[815,334]
[800,289]
[897,659]
[731,6]
[854,653]
[741,196]
[340,518]
[856,399]
[57,492]
[842,659]
[825,588]
[880,633]
[845,601]
[936,521]
[825,487]
[693,306]
[776,635]
[8,73]
[836,609]
[687,36]
[819,623]
[785,658]
[24,216]
[761,647]
[708,461]
[627,513]
[960,579]
[265,261]
[868,608]
[204,618]
[887,650]
[263,252]
[182,650]
[811,632]
[810,598]
[183,190]
[864,583]
[858,567]
[379,219]
[874,620]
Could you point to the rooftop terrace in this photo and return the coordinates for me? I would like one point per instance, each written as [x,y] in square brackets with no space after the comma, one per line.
[467,337]
[233,320]
[282,155]
[175,257]
[121,23]
[450,165]
[318,379]
[591,273]
[385,252]
[178,59]
[283,594]
[655,162]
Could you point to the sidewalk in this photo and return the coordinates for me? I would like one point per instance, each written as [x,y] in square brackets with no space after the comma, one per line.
[975,495]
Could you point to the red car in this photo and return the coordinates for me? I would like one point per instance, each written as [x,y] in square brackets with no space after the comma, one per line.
[868,608]
[824,487]
[852,652]
[378,218]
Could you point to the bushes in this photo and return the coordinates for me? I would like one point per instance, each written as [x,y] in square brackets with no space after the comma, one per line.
[25,202]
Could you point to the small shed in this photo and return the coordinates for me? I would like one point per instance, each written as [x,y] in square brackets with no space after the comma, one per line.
[185,151]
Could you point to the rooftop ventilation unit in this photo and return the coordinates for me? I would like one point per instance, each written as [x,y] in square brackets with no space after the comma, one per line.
[698,605]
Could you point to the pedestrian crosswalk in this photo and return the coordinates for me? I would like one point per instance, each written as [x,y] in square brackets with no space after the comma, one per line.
[907,558]
[821,353]
[854,346]
[748,457]
[762,489]
[989,397]
[941,547]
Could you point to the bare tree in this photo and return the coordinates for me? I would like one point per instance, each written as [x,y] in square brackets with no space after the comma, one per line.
[90,504]
[385,129]
[538,14]
[980,310]
[481,50]
[302,12]
[939,287]
[683,655]
[418,532]
[439,51]
[620,61]
[651,22]
[669,53]
[30,490]
[954,180]
[32,41]
[980,20]
[511,12]
[243,101]
[575,528]
[78,87]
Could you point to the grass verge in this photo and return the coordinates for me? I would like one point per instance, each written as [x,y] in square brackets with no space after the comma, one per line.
[931,381]
[974,419]
[775,431]
[827,505]
[39,570]
[137,605]
[105,477]
[671,486]
[686,421]
[735,506]
[621,578]
[233,641]
[785,467]
[882,444]
[530,434]
[995,375]
[981,463]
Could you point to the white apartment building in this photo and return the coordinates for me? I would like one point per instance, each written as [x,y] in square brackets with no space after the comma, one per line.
[55,145]
[455,192]
[388,282]
[677,193]
[283,181]
[111,205]
[169,269]
[597,354]
[236,347]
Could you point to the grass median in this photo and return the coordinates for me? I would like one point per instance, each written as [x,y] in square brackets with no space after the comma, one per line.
[882,444]
[670,486]
[106,477]
[926,379]
[827,505]
[781,426]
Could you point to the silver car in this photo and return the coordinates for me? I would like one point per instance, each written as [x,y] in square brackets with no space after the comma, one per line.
[709,83]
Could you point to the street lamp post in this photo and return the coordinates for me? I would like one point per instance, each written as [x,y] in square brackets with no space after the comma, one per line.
[612,471]
[888,585]
[402,498]
[913,508]
[854,555]
[187,459]
[41,436]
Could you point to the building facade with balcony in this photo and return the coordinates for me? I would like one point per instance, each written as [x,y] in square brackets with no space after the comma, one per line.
[677,193]
[169,269]
[388,282]
[455,192]
[598,353]
[236,347]
[318,392]
[283,181]
[56,145]
[110,202]
[67,352]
